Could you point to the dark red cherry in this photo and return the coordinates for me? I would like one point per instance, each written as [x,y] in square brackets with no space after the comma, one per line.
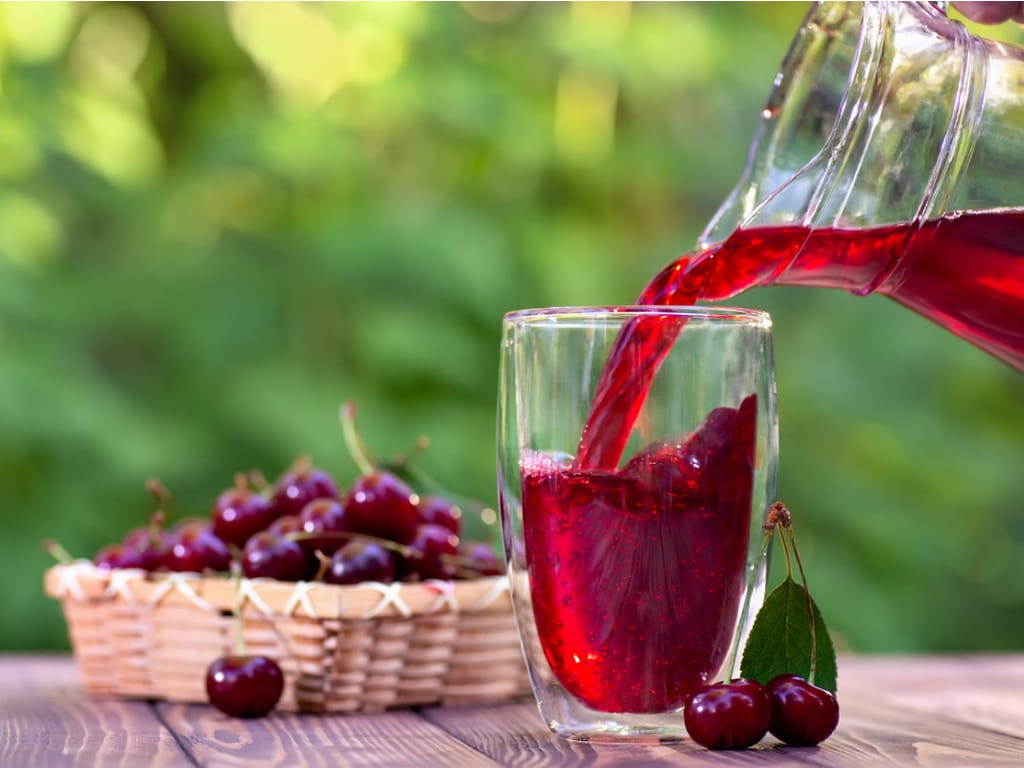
[193,547]
[429,548]
[379,504]
[285,525]
[360,561]
[801,714]
[479,557]
[239,513]
[269,556]
[299,486]
[244,686]
[152,546]
[120,556]
[324,516]
[440,511]
[731,715]
[151,541]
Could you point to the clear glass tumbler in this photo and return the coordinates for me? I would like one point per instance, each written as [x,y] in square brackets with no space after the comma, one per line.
[637,455]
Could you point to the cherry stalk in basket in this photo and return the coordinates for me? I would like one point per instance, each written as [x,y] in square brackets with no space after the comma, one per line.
[378,503]
[243,685]
[144,547]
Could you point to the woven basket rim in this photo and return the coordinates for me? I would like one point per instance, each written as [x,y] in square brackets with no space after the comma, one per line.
[84,582]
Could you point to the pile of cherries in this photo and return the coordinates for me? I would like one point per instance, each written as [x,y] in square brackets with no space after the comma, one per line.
[302,528]
[737,714]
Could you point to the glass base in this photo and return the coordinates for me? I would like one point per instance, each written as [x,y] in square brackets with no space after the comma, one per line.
[571,720]
[616,733]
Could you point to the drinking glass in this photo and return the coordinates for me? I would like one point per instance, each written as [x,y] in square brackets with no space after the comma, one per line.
[637,453]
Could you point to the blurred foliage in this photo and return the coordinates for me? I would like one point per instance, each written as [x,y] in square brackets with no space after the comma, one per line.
[219,222]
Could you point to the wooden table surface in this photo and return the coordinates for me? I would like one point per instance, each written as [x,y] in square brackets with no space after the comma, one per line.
[895,710]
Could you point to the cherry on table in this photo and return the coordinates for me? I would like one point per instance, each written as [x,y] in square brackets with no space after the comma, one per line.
[267,555]
[380,504]
[239,513]
[360,561]
[244,686]
[731,715]
[801,714]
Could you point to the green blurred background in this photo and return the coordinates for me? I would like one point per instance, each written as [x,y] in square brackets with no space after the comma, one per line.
[219,222]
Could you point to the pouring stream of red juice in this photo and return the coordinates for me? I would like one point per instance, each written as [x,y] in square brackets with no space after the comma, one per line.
[964,271]
[636,573]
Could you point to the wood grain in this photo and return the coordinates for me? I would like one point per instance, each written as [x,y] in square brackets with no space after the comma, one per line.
[934,712]
[389,740]
[46,720]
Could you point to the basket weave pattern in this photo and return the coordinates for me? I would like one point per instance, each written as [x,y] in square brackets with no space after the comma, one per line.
[363,648]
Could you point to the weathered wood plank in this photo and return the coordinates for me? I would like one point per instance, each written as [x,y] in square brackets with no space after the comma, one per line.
[46,720]
[901,711]
[388,740]
[912,725]
[513,735]
[986,691]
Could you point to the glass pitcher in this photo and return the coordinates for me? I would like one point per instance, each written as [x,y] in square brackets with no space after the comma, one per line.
[889,158]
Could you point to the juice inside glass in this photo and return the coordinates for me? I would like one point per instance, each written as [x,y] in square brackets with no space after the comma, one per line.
[632,539]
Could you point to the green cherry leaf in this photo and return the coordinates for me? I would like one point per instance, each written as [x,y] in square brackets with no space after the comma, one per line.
[780,640]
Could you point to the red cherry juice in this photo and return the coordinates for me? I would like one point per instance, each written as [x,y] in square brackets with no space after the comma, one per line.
[964,271]
[636,574]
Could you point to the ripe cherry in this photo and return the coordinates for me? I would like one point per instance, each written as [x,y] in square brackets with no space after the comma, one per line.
[801,714]
[300,485]
[731,715]
[244,686]
[285,525]
[380,504]
[120,556]
[267,555]
[360,561]
[325,516]
[479,557]
[239,513]
[428,548]
[440,511]
[194,548]
[144,547]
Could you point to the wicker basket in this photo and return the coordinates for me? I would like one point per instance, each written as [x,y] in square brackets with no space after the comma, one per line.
[364,648]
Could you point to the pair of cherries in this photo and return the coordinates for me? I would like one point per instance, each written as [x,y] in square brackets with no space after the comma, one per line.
[737,714]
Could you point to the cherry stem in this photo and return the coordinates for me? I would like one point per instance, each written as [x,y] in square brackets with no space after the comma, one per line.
[394,546]
[404,461]
[325,563]
[161,496]
[357,449]
[785,551]
[57,552]
[156,523]
[258,481]
[240,648]
[810,605]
